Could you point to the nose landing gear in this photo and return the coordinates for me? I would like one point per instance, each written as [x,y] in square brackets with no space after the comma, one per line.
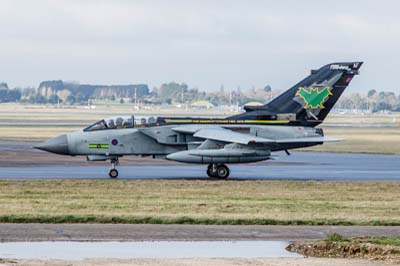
[219,171]
[113,173]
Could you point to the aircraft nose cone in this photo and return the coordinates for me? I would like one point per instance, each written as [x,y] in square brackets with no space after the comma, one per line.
[57,145]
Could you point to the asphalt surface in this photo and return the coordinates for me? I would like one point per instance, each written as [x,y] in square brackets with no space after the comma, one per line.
[156,232]
[298,166]
[18,160]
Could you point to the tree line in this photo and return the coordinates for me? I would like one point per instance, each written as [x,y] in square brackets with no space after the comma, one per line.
[177,93]
[374,101]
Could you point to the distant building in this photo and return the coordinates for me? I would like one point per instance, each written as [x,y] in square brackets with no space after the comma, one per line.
[202,105]
[86,91]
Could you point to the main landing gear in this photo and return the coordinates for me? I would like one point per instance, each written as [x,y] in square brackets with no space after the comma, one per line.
[113,172]
[219,171]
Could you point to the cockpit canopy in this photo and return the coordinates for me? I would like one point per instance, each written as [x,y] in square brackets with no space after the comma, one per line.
[119,122]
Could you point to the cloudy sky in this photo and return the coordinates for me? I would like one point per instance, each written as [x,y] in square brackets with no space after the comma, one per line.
[203,43]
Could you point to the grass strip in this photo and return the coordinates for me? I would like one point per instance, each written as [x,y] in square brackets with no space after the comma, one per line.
[200,202]
[183,220]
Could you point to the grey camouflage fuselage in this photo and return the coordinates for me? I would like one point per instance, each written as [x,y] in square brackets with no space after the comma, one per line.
[287,122]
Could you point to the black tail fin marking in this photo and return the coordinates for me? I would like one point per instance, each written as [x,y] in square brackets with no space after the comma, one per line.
[310,100]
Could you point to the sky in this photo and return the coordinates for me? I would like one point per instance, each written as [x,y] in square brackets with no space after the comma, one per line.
[202,43]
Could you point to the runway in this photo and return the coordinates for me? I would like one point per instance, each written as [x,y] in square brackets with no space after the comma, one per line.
[182,232]
[298,166]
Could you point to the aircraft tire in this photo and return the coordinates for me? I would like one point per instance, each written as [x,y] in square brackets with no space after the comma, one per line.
[222,171]
[113,173]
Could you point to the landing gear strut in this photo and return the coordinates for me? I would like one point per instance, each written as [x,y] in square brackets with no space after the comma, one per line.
[113,172]
[220,171]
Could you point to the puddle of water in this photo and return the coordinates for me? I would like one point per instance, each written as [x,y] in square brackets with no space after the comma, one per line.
[156,249]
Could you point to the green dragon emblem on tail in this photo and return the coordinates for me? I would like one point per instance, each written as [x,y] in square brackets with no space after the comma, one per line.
[313,97]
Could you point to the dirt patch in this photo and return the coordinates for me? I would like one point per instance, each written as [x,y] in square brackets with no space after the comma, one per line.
[350,248]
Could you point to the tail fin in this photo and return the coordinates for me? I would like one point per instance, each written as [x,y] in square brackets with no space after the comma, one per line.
[310,100]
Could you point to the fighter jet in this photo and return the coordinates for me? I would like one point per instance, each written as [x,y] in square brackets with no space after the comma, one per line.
[287,122]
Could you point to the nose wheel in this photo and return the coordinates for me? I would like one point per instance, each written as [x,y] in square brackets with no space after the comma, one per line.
[113,172]
[219,171]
